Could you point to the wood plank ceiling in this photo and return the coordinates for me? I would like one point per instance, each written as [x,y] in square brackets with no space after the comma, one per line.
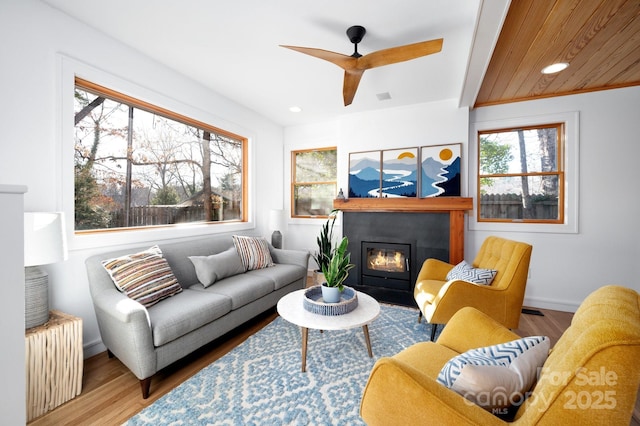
[599,39]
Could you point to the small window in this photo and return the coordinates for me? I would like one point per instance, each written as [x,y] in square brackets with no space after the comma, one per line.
[139,165]
[313,182]
[520,175]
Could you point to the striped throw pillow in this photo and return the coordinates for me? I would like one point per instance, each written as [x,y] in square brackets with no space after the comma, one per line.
[254,252]
[145,277]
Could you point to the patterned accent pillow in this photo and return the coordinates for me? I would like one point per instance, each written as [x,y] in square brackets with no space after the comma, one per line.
[210,269]
[497,376]
[253,251]
[465,272]
[145,277]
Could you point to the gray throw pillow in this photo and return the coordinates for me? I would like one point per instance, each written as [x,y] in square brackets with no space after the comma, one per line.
[210,269]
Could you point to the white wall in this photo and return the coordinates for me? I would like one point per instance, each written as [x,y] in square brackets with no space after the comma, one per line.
[433,123]
[40,51]
[565,268]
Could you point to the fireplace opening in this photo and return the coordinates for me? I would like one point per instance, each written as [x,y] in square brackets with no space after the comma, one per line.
[386,260]
[386,264]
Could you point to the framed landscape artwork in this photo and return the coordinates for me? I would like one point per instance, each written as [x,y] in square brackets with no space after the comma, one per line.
[429,171]
[440,170]
[400,172]
[364,174]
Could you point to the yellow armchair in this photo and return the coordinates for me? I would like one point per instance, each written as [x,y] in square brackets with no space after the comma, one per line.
[591,376]
[438,299]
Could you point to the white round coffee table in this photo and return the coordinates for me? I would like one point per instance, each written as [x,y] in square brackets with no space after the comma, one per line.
[290,307]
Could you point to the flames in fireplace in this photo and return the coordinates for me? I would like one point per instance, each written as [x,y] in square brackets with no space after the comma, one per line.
[388,260]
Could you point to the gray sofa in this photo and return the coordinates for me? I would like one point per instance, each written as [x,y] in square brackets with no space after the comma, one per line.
[149,339]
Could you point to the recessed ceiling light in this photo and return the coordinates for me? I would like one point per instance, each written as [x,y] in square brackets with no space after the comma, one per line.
[554,68]
[295,109]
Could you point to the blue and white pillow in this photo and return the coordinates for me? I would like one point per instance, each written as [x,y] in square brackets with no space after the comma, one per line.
[497,376]
[465,272]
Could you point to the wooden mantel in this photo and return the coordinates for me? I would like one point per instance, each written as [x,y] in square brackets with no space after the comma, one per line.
[455,206]
[435,204]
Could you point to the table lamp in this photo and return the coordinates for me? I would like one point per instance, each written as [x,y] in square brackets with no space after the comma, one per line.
[44,243]
[276,221]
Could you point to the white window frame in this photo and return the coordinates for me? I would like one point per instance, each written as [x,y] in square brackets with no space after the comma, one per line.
[571,170]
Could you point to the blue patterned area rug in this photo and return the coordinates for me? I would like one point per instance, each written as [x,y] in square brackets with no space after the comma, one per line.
[260,381]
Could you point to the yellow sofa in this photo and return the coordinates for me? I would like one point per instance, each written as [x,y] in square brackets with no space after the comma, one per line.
[591,376]
[438,299]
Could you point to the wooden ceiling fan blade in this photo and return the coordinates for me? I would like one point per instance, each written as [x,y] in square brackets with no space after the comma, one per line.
[351,82]
[399,54]
[343,61]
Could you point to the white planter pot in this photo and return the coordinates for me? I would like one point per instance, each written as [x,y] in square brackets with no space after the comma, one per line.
[330,294]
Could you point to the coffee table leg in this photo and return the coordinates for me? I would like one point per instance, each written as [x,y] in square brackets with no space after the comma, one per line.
[365,328]
[305,338]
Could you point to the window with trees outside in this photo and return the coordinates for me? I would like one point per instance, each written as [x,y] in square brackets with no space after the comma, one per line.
[313,182]
[520,175]
[138,165]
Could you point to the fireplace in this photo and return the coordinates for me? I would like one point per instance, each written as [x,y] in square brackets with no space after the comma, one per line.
[380,237]
[386,265]
[389,239]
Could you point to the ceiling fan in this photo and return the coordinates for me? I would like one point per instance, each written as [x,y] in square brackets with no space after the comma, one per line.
[356,64]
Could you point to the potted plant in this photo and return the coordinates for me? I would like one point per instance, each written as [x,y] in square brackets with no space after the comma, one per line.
[336,272]
[325,246]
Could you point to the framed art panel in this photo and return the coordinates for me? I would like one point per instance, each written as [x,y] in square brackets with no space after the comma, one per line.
[365,174]
[400,172]
[440,170]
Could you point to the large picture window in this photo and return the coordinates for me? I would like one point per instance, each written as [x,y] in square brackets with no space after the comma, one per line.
[521,174]
[313,182]
[139,165]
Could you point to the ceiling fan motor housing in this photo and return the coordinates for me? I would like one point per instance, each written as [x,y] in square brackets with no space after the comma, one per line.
[356,33]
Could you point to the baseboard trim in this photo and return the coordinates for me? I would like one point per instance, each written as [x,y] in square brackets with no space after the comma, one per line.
[556,305]
[93,348]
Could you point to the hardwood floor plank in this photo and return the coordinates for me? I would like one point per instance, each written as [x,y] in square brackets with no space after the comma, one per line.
[111,393]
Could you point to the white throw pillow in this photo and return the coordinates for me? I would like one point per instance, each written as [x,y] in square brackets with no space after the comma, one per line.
[465,272]
[497,376]
[210,269]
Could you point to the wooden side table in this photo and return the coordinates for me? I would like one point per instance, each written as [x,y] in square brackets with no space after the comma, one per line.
[54,363]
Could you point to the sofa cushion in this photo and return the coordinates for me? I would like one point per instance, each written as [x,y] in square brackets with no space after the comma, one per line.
[281,274]
[210,269]
[253,251]
[240,289]
[496,376]
[145,277]
[465,272]
[184,313]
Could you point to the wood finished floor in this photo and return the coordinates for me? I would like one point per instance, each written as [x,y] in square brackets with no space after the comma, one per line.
[111,394]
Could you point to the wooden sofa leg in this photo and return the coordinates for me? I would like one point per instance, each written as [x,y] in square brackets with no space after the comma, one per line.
[434,328]
[419,317]
[110,354]
[145,385]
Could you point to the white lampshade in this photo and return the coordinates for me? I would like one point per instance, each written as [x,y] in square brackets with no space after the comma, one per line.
[276,220]
[44,238]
